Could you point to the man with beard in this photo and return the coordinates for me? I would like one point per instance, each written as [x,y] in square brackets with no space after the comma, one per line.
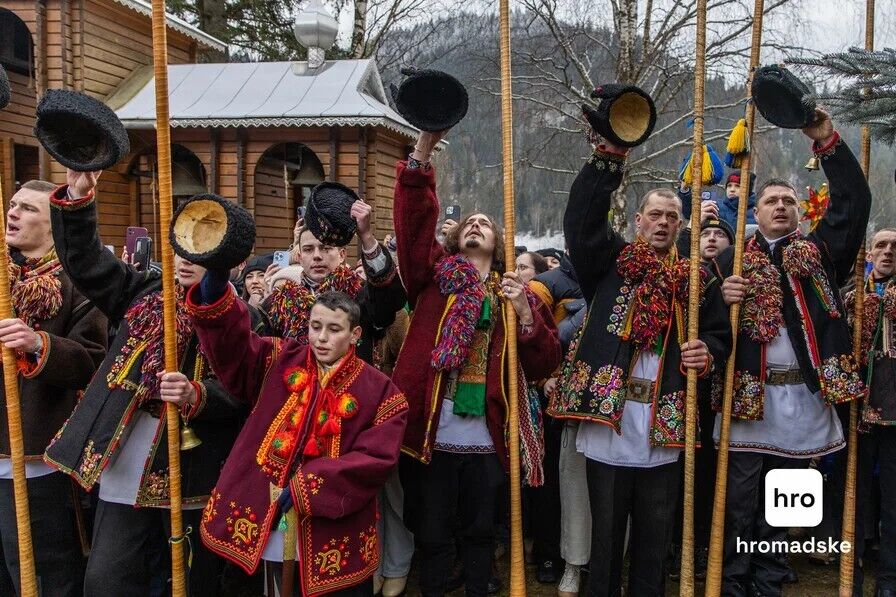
[794,349]
[878,443]
[59,338]
[117,434]
[625,378]
[452,368]
[324,269]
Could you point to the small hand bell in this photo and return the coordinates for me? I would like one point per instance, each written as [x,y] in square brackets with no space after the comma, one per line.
[813,163]
[188,438]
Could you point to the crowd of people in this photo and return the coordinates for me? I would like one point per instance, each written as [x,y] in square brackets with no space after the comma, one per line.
[353,417]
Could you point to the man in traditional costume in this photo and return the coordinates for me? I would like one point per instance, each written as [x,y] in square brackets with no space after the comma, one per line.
[877,442]
[624,378]
[59,338]
[794,351]
[453,370]
[117,434]
[324,269]
[323,437]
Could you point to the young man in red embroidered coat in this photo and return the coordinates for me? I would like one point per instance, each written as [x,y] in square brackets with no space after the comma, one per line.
[452,368]
[59,338]
[794,349]
[323,437]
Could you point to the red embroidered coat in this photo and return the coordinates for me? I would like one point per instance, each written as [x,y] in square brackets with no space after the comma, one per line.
[416,214]
[359,418]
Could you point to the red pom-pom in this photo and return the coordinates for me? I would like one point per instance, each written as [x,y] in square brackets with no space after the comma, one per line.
[311,448]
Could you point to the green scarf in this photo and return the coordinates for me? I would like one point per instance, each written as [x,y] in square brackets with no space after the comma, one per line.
[469,397]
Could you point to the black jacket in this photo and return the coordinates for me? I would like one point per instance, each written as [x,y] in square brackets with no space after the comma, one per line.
[820,336]
[91,435]
[593,384]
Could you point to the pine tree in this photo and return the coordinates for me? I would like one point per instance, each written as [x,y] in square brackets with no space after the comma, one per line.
[868,96]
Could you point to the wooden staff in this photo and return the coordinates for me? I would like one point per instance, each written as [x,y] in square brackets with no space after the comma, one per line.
[517,560]
[172,414]
[717,534]
[27,576]
[690,426]
[847,560]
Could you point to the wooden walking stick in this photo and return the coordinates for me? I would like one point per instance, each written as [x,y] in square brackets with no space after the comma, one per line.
[172,414]
[690,426]
[27,575]
[717,534]
[847,560]
[517,563]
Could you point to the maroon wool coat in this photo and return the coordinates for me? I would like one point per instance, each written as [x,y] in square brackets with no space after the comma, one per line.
[334,493]
[416,214]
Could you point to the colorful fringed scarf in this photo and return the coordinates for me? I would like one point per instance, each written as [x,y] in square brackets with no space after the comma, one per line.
[458,278]
[762,313]
[146,337]
[35,288]
[655,280]
[879,309]
[289,306]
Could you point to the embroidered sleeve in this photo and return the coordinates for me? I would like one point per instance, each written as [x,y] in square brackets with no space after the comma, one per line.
[389,408]
[32,368]
[190,411]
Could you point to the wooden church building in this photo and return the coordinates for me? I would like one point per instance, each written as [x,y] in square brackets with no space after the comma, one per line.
[262,134]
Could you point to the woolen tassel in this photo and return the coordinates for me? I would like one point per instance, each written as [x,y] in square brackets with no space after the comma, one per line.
[716,168]
[311,448]
[738,145]
[685,172]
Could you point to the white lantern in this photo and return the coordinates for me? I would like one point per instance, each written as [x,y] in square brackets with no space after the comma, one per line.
[316,30]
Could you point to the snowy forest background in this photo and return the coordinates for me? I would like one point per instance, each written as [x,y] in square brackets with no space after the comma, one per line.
[561,50]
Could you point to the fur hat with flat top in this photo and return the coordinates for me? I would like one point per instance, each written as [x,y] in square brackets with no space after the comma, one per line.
[625,114]
[212,231]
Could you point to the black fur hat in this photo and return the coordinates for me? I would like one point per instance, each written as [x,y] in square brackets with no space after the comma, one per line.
[431,100]
[625,115]
[782,98]
[80,132]
[212,231]
[4,88]
[328,215]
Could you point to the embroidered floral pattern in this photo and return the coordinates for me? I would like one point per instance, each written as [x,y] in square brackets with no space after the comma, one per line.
[607,389]
[668,420]
[242,524]
[748,396]
[839,378]
[367,539]
[210,511]
[620,310]
[332,557]
[88,469]
[314,483]
[154,489]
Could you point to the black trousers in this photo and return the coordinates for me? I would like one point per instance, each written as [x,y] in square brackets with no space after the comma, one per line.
[877,447]
[649,496]
[454,495]
[745,520]
[544,501]
[129,546]
[58,559]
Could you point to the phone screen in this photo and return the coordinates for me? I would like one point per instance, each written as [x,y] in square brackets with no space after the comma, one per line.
[452,212]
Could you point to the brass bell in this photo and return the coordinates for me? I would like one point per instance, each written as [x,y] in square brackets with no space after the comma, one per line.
[813,163]
[188,438]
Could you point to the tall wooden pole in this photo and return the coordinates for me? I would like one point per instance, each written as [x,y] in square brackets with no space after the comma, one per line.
[690,427]
[27,576]
[717,534]
[847,560]
[517,563]
[163,149]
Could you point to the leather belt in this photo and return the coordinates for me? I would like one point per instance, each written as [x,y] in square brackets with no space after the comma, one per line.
[639,390]
[776,377]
